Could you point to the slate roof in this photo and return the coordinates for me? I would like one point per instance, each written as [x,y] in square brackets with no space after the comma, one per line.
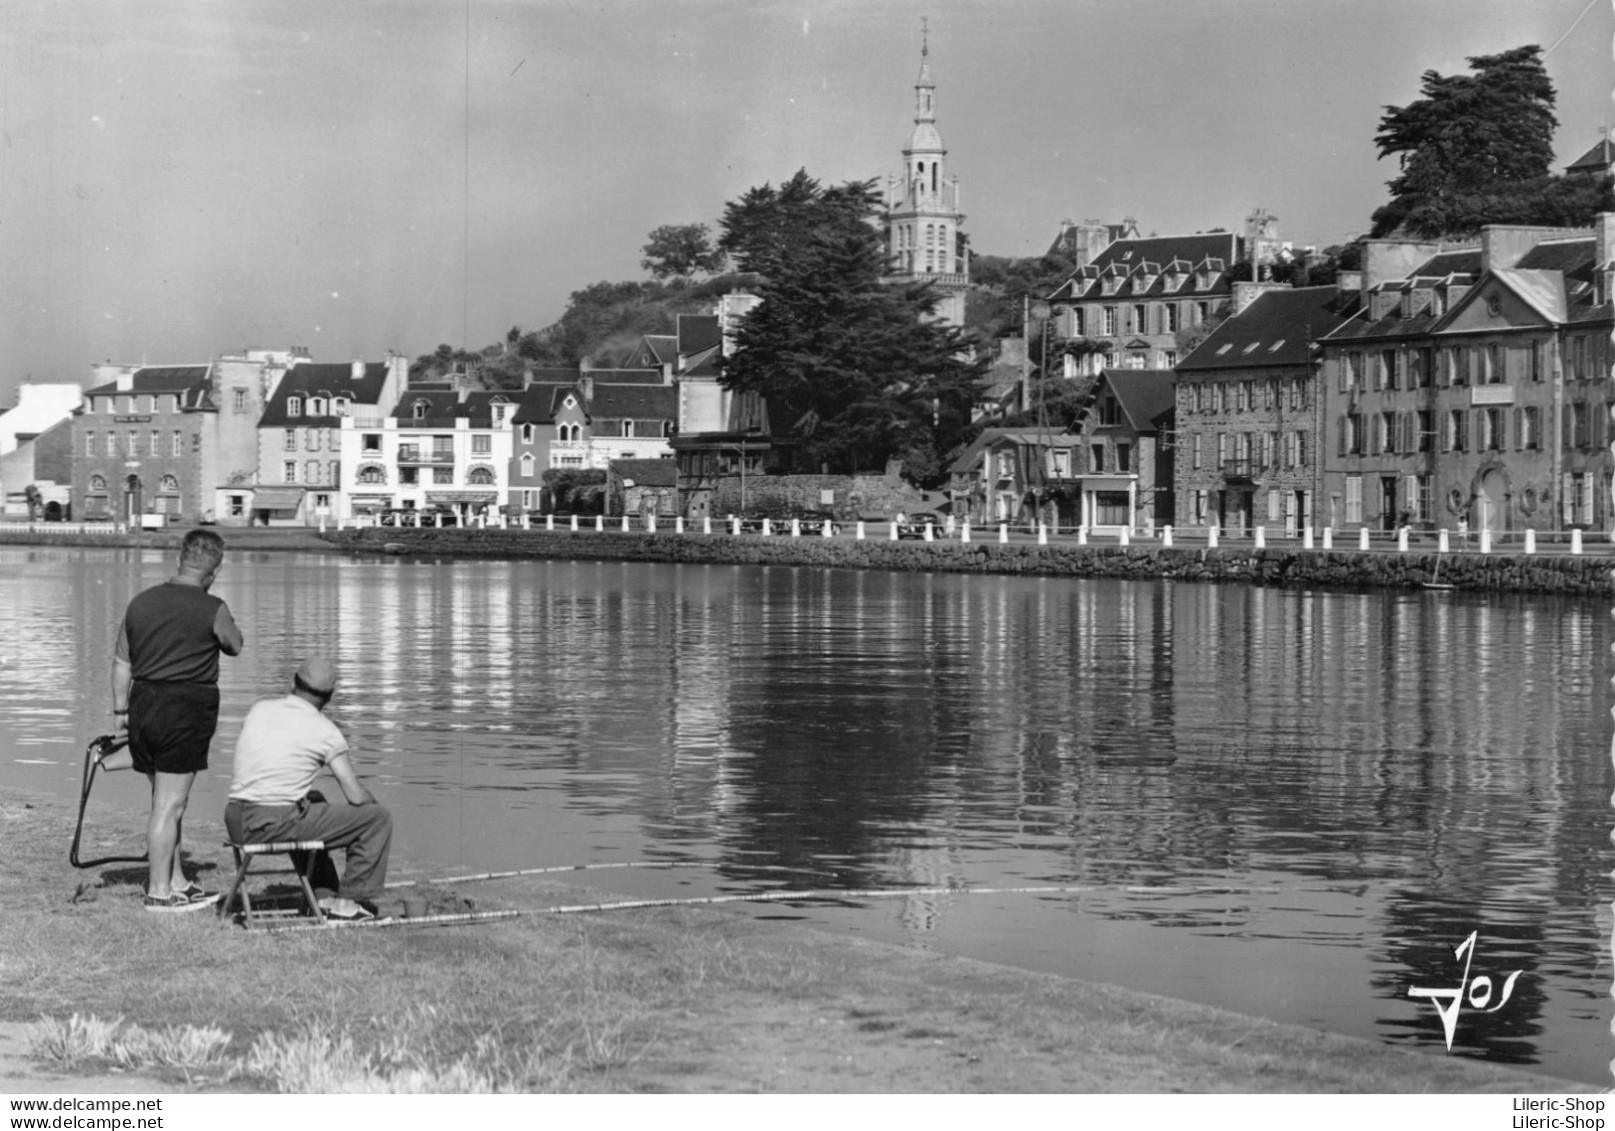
[191,381]
[662,348]
[1143,263]
[625,376]
[540,402]
[1595,160]
[634,402]
[648,472]
[326,380]
[1277,328]
[697,332]
[708,363]
[1146,395]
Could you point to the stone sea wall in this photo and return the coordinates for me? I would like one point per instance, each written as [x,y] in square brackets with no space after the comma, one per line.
[1533,573]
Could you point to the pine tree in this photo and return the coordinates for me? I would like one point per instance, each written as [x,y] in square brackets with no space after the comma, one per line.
[853,370]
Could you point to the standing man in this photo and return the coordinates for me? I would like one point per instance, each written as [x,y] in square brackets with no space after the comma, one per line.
[165,694]
[284,744]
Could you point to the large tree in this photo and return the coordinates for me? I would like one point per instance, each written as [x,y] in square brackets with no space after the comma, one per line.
[853,369]
[1478,149]
[678,251]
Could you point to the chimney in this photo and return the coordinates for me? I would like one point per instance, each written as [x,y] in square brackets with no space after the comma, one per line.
[1504,245]
[586,384]
[1348,283]
[358,369]
[1245,292]
[126,379]
[1604,249]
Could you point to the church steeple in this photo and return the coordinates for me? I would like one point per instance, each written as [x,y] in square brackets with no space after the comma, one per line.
[923,237]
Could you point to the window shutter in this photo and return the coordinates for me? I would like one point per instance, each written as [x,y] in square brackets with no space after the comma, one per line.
[1342,432]
[1566,498]
[1373,437]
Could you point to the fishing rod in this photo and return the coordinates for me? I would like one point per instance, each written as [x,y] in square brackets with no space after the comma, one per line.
[466,917]
[478,877]
[98,749]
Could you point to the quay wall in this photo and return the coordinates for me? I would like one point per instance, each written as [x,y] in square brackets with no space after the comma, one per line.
[1525,573]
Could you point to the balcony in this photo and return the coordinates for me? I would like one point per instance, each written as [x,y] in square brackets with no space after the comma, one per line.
[1240,468]
[411,456]
[1491,394]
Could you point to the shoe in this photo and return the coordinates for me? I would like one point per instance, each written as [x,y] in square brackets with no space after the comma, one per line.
[194,890]
[176,903]
[345,910]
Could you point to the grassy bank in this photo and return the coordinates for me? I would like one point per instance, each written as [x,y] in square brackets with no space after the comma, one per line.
[692,999]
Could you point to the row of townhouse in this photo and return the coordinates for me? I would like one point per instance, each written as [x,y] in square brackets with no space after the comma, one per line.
[269,436]
[1438,386]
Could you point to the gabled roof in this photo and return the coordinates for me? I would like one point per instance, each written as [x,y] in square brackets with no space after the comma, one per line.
[554,375]
[648,472]
[441,406]
[1277,328]
[1453,261]
[308,379]
[634,402]
[625,376]
[662,349]
[697,332]
[1145,395]
[539,402]
[707,363]
[1031,437]
[192,379]
[1595,160]
[478,407]
[1574,257]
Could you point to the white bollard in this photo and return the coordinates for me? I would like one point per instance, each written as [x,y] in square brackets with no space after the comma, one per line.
[1166,537]
[1530,541]
[322,525]
[1306,538]
[1261,537]
[1127,536]
[1003,533]
[549,522]
[1362,537]
[827,528]
[1485,540]
[1042,534]
[706,524]
[1082,535]
[860,530]
[1402,539]
[930,532]
[482,520]
[575,523]
[527,522]
[1442,546]
[734,525]
[650,524]
[1328,538]
[796,528]
[891,531]
[1211,537]
[678,524]
[1575,540]
[625,524]
[964,531]
[768,528]
[948,526]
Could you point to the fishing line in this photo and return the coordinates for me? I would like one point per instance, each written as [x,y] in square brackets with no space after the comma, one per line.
[464,917]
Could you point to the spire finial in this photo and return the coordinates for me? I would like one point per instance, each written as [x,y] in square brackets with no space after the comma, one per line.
[925,35]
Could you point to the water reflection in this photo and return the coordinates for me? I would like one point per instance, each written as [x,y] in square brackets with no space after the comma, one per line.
[1337,787]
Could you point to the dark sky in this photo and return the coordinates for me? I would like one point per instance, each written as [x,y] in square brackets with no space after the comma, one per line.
[180,180]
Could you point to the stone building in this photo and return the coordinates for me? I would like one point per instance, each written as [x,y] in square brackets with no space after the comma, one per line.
[1473,385]
[1124,471]
[1246,451]
[925,240]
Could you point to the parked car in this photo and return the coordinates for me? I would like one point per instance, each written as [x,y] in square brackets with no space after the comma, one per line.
[813,521]
[399,516]
[753,524]
[913,526]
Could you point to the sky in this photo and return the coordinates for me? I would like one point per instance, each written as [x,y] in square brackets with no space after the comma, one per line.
[180,180]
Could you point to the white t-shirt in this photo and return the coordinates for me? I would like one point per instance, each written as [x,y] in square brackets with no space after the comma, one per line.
[284,744]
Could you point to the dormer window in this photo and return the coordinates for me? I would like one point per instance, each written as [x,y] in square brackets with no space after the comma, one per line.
[418,410]
[294,406]
[340,406]
[316,406]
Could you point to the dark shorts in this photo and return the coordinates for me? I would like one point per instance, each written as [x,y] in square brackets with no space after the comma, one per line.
[171,726]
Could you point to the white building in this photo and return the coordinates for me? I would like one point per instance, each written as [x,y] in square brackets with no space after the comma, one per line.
[436,452]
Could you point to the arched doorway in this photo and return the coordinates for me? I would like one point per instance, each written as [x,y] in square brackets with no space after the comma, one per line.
[133,505]
[1491,502]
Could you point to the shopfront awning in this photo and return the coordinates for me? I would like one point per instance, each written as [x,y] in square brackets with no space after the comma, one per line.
[277,498]
[451,498]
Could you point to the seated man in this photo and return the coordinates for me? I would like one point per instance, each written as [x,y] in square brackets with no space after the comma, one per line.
[284,744]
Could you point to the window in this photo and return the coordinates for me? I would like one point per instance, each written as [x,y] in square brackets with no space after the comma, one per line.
[481,445]
[1110,508]
[238,400]
[372,474]
[1578,422]
[1006,465]
[112,443]
[1351,372]
[288,440]
[294,406]
[1491,430]
[1577,358]
[311,471]
[134,443]
[288,471]
[442,449]
[1423,492]
[1077,321]
[1169,318]
[168,485]
[89,443]
[409,476]
[1530,428]
[1537,350]
[1168,359]
[98,483]
[442,476]
[1110,321]
[370,442]
[1267,394]
[1061,463]
[1427,429]
[480,477]
[1140,314]
[527,433]
[1385,433]
[1460,365]
[340,406]
[156,442]
[312,438]
[1354,498]
[1421,362]
[1493,361]
[1202,311]
[316,406]
[527,465]
[418,410]
[1097,459]
[1196,451]
[1386,377]
[1240,394]
[1457,437]
[1124,457]
[1351,434]
[177,447]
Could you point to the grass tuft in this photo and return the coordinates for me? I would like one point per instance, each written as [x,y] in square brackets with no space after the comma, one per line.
[130,1046]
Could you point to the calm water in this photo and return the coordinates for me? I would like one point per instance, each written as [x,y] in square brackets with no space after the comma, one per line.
[1366,777]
